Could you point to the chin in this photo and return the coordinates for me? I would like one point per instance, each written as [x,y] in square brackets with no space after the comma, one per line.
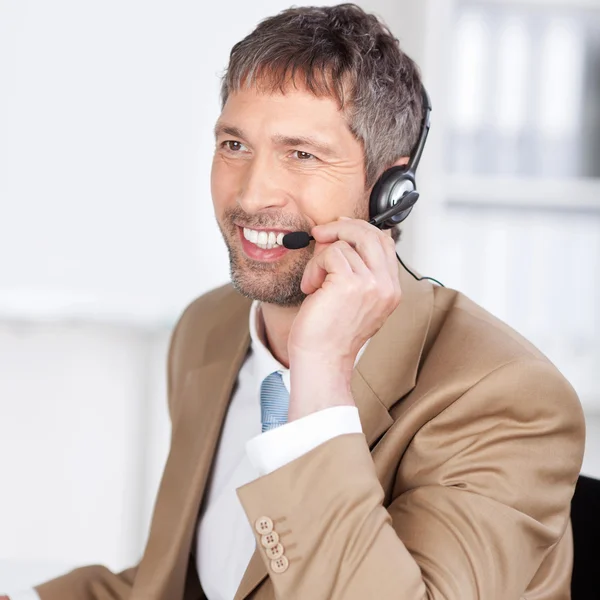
[268,287]
[275,283]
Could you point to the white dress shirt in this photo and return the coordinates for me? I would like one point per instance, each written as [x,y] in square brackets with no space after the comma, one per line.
[224,540]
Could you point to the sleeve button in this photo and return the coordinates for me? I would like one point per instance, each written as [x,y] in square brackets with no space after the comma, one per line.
[270,540]
[280,564]
[275,552]
[263,526]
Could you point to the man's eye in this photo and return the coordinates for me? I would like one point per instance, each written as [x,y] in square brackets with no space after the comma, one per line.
[304,155]
[233,146]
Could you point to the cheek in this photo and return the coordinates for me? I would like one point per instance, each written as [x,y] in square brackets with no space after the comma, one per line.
[323,201]
[222,185]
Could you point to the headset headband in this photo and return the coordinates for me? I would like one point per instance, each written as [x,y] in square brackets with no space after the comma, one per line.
[425,124]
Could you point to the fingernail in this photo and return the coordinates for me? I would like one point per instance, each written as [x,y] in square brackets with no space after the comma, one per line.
[345,218]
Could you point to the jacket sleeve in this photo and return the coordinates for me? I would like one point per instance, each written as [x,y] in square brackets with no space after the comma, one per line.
[480,497]
[89,583]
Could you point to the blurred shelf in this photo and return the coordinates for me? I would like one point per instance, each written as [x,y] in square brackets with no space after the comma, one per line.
[581,195]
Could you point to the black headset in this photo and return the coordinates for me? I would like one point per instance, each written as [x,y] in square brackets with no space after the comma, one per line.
[395,193]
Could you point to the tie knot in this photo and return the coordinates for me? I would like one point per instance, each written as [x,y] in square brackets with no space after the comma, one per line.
[274,400]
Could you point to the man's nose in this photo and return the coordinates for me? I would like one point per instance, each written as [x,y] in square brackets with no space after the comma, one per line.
[261,187]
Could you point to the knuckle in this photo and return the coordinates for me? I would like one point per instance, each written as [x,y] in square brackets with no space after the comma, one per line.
[363,235]
[370,284]
[373,236]
[388,295]
[357,286]
[342,245]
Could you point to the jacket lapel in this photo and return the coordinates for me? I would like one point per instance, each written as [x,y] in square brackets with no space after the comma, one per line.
[385,373]
[391,361]
[197,425]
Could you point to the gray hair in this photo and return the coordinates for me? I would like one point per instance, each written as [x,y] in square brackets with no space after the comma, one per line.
[345,53]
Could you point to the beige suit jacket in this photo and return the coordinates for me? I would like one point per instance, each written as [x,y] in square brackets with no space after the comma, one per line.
[459,489]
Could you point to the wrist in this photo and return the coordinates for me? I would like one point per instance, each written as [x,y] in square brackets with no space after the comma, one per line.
[317,385]
[320,361]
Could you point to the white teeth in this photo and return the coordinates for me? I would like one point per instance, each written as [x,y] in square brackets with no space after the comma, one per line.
[251,235]
[263,239]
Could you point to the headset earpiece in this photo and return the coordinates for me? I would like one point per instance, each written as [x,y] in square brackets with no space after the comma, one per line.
[393,190]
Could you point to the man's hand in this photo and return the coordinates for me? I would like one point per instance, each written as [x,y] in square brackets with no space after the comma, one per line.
[352,286]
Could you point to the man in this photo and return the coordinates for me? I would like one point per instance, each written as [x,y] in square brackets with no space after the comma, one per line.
[342,430]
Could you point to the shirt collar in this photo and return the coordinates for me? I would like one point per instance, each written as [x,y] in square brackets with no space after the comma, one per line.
[265,362]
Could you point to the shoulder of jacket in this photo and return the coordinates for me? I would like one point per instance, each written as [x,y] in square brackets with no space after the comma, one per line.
[462,324]
[466,344]
[190,334]
[204,309]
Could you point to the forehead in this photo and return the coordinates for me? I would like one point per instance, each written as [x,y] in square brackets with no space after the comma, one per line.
[295,111]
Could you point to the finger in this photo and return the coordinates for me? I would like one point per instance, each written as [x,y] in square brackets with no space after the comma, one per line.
[332,230]
[362,236]
[328,231]
[320,263]
[353,257]
[331,261]
[326,263]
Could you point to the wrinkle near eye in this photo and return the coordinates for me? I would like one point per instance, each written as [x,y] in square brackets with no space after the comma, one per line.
[344,168]
[335,174]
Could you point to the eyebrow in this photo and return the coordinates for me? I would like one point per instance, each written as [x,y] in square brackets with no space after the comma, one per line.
[223,128]
[279,139]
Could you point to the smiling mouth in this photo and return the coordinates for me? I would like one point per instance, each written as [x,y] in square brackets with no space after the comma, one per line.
[265,239]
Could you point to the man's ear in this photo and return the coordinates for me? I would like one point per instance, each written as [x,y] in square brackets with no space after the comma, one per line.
[401,161]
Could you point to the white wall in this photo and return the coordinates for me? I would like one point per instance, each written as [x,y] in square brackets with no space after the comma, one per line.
[84,433]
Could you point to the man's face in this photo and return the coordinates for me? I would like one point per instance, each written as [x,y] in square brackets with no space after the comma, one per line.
[282,162]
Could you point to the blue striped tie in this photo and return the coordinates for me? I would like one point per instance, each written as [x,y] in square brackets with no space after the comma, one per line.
[274,400]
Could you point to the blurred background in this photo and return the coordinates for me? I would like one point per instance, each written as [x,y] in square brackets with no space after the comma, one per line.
[107,231]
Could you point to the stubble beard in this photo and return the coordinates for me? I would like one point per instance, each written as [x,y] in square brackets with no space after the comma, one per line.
[270,282]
